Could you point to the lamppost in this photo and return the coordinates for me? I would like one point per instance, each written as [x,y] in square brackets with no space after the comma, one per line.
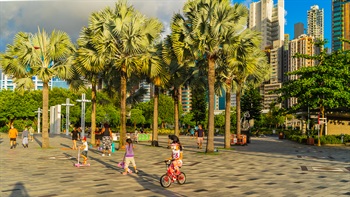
[83,101]
[67,104]
[39,112]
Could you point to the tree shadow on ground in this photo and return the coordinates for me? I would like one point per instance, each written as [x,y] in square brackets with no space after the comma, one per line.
[150,181]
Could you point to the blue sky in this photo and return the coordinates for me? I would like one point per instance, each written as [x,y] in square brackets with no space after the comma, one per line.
[71,16]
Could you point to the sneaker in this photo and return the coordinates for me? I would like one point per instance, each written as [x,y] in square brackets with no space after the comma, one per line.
[136,171]
[11,147]
[103,155]
[109,155]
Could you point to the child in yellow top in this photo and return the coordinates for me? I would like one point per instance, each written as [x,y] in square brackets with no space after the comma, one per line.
[13,133]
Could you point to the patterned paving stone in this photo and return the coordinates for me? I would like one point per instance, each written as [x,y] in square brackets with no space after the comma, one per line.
[266,167]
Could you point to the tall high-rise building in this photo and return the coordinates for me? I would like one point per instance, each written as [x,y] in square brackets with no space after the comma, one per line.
[186,99]
[340,24]
[149,88]
[315,22]
[302,45]
[298,29]
[268,18]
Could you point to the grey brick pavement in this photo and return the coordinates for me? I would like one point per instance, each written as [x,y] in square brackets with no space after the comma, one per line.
[266,167]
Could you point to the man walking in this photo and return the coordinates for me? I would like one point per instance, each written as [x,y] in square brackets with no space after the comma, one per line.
[200,136]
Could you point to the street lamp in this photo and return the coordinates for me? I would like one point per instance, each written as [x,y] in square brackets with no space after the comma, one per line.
[83,101]
[67,104]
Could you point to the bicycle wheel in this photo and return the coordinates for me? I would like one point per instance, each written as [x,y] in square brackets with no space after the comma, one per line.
[165,181]
[181,178]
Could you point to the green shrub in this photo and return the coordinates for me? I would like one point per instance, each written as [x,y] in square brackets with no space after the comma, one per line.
[166,131]
[346,138]
[4,129]
[298,138]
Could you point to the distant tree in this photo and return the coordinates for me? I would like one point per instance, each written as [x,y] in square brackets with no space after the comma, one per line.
[325,86]
[219,120]
[251,102]
[166,109]
[136,117]
[187,119]
[199,105]
[15,105]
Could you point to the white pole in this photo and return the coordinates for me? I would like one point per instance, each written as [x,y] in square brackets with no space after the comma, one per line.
[67,104]
[39,112]
[83,101]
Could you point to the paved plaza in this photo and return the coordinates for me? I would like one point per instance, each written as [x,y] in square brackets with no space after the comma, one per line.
[266,167]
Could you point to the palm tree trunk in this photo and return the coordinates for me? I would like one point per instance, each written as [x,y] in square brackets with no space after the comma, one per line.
[238,108]
[176,111]
[228,118]
[45,132]
[123,107]
[155,117]
[93,113]
[211,81]
[322,128]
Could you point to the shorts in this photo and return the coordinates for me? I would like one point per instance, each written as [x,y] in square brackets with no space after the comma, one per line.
[74,138]
[129,160]
[12,139]
[84,153]
[106,142]
[200,140]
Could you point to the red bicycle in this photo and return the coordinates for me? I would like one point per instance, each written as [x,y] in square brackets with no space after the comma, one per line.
[170,176]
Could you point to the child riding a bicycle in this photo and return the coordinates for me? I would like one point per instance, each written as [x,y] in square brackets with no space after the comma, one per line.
[176,155]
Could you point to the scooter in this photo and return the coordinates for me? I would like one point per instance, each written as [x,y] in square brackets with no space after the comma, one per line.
[80,164]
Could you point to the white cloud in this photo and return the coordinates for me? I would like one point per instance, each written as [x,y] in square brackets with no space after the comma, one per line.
[285,17]
[70,16]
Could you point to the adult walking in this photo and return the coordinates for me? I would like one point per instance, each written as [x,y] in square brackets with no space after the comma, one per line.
[31,134]
[106,133]
[25,135]
[200,136]
[13,133]
[75,136]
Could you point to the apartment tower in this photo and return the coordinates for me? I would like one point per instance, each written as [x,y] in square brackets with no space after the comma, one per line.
[340,24]
[315,22]
[302,45]
[268,18]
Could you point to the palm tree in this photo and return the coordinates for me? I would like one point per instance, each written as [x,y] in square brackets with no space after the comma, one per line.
[240,48]
[250,68]
[42,55]
[180,75]
[123,37]
[90,64]
[207,27]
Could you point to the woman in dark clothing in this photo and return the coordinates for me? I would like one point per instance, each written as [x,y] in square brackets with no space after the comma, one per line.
[106,134]
[75,135]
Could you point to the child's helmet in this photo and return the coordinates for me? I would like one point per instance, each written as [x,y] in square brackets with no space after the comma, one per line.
[84,138]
